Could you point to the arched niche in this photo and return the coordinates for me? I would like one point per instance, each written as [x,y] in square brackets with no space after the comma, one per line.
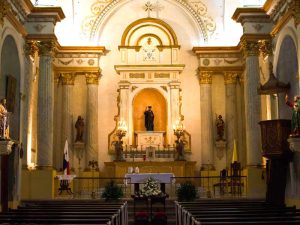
[149,97]
[10,83]
[287,71]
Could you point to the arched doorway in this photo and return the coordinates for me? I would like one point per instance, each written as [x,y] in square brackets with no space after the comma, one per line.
[10,83]
[287,71]
[149,97]
[10,89]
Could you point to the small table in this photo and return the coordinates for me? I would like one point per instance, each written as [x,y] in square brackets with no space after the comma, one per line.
[64,181]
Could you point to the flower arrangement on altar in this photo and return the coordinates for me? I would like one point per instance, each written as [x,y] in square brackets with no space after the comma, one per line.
[151,188]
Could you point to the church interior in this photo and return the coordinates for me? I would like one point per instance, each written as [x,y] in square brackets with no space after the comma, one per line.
[185,90]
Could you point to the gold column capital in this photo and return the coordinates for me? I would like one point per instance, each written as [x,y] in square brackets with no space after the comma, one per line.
[46,47]
[205,77]
[230,77]
[67,78]
[30,48]
[250,47]
[266,48]
[92,78]
[4,9]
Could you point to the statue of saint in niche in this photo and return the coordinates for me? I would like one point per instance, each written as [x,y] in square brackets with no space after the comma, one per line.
[3,120]
[149,119]
[79,125]
[220,128]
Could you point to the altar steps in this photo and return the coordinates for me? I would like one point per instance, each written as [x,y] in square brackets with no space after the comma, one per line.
[169,210]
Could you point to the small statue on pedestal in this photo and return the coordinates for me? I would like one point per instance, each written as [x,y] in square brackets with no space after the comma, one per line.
[4,126]
[220,128]
[79,125]
[296,115]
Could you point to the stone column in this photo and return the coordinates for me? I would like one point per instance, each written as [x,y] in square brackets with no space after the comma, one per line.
[206,119]
[67,89]
[252,102]
[45,106]
[92,81]
[231,116]
[30,49]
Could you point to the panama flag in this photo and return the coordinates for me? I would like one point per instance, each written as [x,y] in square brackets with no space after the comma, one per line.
[66,165]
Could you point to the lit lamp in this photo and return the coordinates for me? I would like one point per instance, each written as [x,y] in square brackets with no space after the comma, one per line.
[178,128]
[120,133]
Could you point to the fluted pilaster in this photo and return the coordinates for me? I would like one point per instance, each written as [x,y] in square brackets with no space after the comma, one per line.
[230,111]
[174,105]
[252,102]
[45,106]
[67,89]
[92,80]
[206,118]
[30,50]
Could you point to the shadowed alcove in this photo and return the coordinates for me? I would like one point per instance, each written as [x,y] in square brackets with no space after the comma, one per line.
[149,97]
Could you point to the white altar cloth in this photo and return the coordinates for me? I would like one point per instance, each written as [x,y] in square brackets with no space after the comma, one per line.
[142,177]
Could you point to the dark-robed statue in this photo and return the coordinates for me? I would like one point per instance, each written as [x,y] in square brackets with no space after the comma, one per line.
[149,119]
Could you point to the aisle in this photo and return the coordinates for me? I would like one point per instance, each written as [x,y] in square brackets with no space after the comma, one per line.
[170,211]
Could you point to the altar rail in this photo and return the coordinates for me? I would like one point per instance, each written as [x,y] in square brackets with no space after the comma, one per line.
[207,186]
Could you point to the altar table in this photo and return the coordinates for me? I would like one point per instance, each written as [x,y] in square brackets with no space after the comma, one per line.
[140,178]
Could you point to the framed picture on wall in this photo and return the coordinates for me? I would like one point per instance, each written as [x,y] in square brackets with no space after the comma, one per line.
[11,87]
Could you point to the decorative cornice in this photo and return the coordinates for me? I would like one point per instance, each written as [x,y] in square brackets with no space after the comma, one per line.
[4,9]
[48,12]
[205,77]
[221,69]
[67,78]
[46,47]
[30,48]
[230,77]
[255,14]
[250,48]
[266,48]
[92,78]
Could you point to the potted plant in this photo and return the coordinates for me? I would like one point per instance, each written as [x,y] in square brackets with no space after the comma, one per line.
[112,191]
[186,192]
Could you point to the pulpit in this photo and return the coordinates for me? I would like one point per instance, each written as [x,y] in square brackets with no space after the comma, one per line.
[275,147]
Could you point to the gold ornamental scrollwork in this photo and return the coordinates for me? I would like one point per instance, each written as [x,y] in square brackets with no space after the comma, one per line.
[30,48]
[92,78]
[205,77]
[67,78]
[230,77]
[295,7]
[266,48]
[250,48]
[4,9]
[46,47]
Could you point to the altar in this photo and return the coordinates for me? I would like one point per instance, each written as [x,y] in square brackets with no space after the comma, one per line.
[145,139]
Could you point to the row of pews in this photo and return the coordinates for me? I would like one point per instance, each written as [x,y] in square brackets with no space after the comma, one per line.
[67,212]
[217,212]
